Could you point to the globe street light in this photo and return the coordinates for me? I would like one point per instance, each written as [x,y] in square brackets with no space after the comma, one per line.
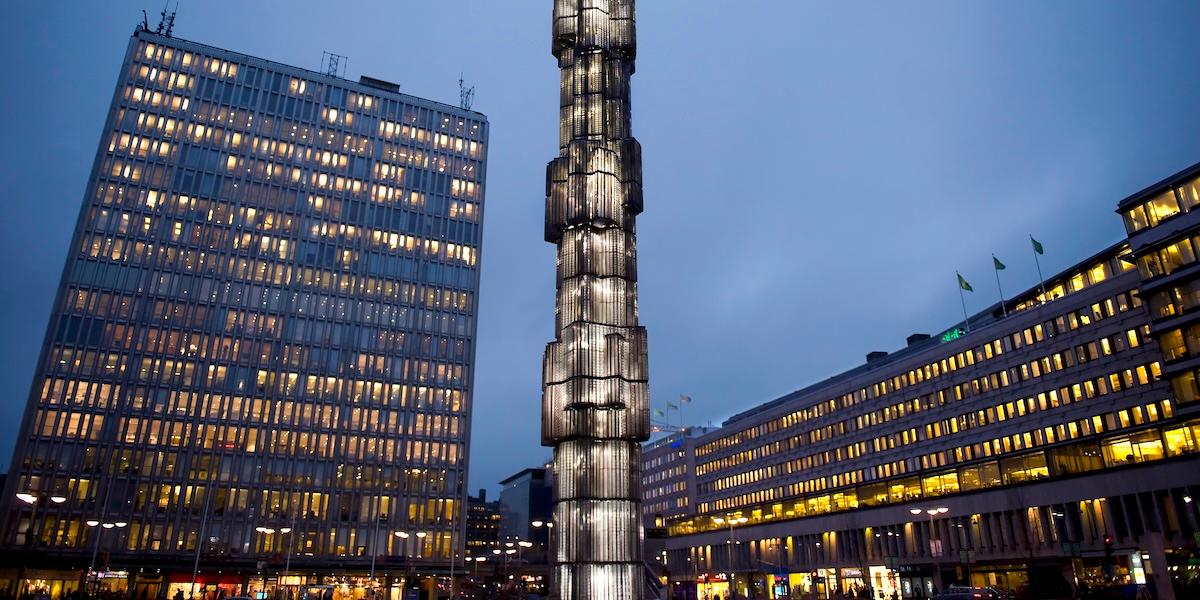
[33,500]
[96,546]
[404,535]
[549,525]
[731,520]
[287,545]
[935,550]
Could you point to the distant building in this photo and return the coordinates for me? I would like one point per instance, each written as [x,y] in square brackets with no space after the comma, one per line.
[483,525]
[526,497]
[260,355]
[1055,446]
[669,475]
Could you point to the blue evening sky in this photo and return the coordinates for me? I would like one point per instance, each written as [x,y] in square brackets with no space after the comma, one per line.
[815,172]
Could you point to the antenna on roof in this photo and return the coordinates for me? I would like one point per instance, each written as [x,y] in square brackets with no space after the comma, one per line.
[331,62]
[145,21]
[466,95]
[162,20]
[171,20]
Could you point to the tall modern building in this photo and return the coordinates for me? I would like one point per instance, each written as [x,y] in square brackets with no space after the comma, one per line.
[1049,447]
[259,360]
[595,407]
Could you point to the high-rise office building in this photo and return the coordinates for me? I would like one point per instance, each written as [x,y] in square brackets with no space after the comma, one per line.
[259,361]
[595,407]
[1049,447]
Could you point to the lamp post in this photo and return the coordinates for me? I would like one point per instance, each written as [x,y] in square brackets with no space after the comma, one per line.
[404,535]
[96,547]
[375,546]
[549,539]
[33,500]
[731,520]
[934,549]
[287,546]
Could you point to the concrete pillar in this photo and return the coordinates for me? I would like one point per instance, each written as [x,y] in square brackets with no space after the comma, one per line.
[1156,567]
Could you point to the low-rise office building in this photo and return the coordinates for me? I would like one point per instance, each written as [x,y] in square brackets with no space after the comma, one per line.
[483,525]
[668,476]
[1033,450]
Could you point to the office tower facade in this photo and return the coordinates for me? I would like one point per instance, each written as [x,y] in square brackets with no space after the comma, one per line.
[595,406]
[1054,446]
[260,357]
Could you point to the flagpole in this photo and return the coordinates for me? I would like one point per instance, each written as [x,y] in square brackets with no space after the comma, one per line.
[1041,280]
[999,287]
[966,321]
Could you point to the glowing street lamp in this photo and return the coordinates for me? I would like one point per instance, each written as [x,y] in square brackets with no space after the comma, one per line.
[100,532]
[935,544]
[731,520]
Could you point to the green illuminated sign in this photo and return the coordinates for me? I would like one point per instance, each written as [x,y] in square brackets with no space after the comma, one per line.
[953,334]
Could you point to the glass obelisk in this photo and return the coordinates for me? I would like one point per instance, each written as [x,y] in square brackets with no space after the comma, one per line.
[595,408]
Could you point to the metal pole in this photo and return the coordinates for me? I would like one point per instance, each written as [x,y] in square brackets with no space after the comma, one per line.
[1041,280]
[100,530]
[200,539]
[374,543]
[966,320]
[95,551]
[729,554]
[999,287]
[287,563]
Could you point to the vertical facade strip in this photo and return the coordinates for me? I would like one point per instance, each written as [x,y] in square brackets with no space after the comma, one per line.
[595,406]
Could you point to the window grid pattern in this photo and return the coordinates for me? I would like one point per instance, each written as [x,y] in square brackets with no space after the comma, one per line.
[266,321]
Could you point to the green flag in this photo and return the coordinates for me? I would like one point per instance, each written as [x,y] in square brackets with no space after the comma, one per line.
[1037,246]
[672,406]
[996,263]
[962,283]
[659,413]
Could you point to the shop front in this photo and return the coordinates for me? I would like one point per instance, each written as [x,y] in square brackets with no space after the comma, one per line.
[712,586]
[207,586]
[916,583]
[56,584]
[819,584]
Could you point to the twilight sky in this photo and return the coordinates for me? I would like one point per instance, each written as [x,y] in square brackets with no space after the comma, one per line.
[815,172]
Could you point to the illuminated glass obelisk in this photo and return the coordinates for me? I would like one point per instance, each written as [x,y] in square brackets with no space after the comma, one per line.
[595,409]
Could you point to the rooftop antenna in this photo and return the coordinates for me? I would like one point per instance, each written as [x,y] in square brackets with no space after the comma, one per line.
[331,62]
[145,21]
[171,19]
[466,95]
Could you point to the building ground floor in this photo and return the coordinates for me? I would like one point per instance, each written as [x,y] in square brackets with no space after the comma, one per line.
[1137,527]
[1054,577]
[60,578]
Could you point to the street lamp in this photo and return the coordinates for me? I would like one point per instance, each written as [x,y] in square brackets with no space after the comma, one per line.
[33,499]
[476,560]
[287,546]
[731,520]
[404,535]
[96,546]
[549,525]
[934,548]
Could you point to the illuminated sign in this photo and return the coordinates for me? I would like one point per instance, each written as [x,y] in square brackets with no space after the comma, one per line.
[953,334]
